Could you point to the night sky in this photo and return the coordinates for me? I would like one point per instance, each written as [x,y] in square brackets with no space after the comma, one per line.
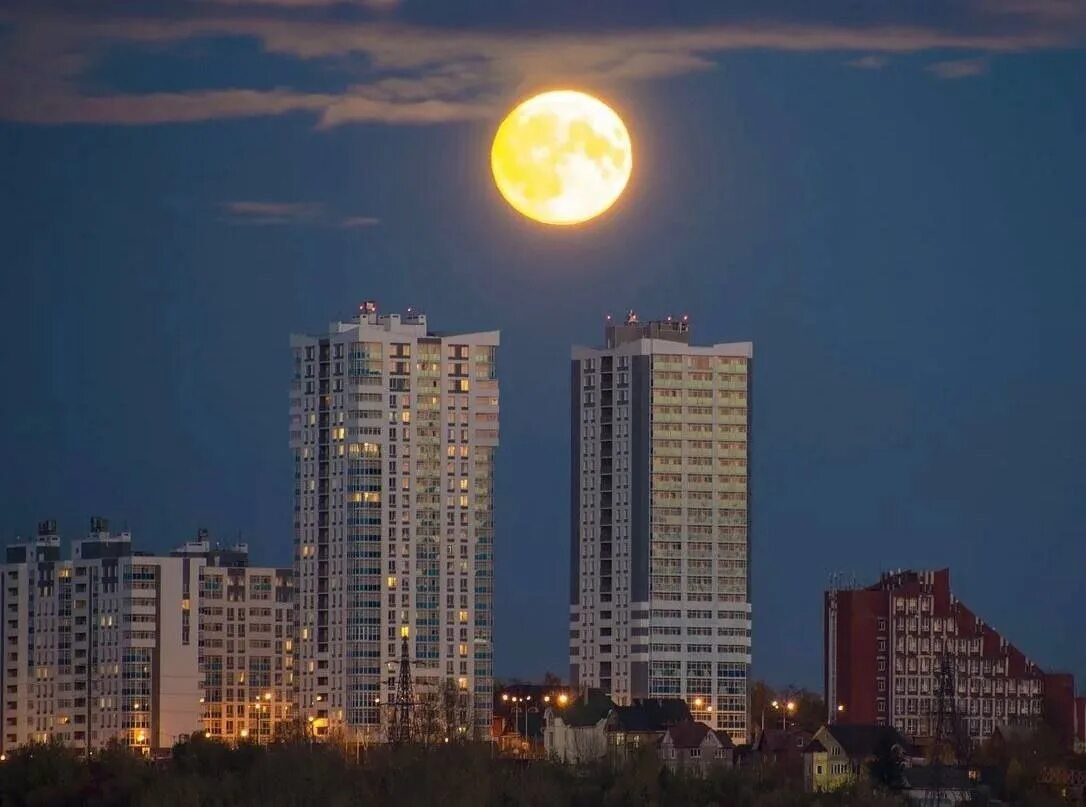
[890,207]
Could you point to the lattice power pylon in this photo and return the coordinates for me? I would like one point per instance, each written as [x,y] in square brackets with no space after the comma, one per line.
[403,707]
[948,736]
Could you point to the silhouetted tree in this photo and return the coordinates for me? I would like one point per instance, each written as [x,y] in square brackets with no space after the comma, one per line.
[886,767]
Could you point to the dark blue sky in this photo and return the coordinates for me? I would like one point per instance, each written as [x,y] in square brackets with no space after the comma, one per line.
[891,208]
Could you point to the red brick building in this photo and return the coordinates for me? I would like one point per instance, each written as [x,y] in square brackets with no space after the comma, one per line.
[883,649]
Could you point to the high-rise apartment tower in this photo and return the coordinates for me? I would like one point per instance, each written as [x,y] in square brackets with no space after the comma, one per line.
[659,522]
[394,430]
[100,648]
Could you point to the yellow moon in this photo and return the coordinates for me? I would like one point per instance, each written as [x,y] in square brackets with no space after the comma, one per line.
[561,157]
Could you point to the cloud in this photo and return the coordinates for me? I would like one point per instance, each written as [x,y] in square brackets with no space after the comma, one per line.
[377,5]
[411,74]
[958,68]
[358,222]
[292,213]
[869,62]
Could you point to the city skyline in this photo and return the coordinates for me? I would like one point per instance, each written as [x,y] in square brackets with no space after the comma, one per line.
[889,207]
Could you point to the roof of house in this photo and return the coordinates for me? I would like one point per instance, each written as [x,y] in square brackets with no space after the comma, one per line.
[1011,732]
[859,740]
[781,740]
[688,734]
[649,714]
[587,711]
[927,777]
[724,737]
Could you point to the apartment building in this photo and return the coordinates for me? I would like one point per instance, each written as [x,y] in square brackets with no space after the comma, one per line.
[884,650]
[394,429]
[246,624]
[99,647]
[659,524]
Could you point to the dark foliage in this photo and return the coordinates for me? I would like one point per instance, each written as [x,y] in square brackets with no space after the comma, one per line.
[886,766]
[292,774]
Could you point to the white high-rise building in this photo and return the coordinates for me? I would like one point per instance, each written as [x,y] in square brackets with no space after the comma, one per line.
[660,542]
[101,647]
[246,643]
[394,430]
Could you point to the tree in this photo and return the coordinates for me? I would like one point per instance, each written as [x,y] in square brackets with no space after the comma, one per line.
[809,713]
[291,732]
[551,680]
[886,767]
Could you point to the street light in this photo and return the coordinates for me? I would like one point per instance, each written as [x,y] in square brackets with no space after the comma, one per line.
[784,708]
[563,699]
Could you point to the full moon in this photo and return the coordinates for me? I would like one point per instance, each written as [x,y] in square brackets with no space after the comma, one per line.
[561,157]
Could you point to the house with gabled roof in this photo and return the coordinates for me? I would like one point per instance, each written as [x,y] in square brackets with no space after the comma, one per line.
[694,747]
[838,754]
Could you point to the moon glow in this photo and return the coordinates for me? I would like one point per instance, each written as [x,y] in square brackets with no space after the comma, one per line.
[561,157]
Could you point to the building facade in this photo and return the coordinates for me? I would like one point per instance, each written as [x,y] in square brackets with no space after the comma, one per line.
[394,430]
[884,651]
[102,647]
[660,529]
[246,623]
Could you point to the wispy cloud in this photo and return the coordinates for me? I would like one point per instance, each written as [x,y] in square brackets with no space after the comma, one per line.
[408,74]
[958,68]
[292,213]
[379,5]
[358,222]
[869,62]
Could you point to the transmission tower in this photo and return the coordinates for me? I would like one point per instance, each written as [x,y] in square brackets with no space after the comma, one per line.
[948,735]
[403,707]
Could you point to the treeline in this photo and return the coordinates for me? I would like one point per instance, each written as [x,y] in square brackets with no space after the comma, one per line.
[291,774]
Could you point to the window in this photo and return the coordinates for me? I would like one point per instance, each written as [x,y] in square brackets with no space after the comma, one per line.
[695,753]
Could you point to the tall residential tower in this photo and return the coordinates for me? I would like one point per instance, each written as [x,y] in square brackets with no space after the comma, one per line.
[102,647]
[394,430]
[659,526]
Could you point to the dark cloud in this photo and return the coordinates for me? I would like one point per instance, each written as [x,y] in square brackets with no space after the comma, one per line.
[403,72]
[287,213]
